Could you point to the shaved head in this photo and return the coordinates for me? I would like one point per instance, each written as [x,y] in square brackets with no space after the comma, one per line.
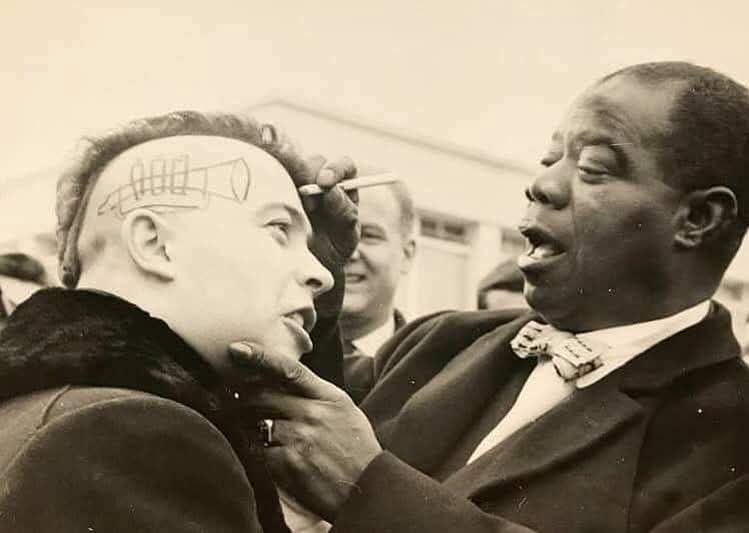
[202,226]
[180,174]
[95,154]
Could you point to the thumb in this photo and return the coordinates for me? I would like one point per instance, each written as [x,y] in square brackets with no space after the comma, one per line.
[288,372]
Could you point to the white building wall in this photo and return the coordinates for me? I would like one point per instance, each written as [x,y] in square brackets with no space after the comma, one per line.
[483,192]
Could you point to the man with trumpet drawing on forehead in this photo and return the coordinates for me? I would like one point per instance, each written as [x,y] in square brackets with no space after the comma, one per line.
[178,235]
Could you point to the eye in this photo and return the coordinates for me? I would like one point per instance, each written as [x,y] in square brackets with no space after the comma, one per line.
[371,235]
[597,161]
[591,170]
[591,174]
[280,230]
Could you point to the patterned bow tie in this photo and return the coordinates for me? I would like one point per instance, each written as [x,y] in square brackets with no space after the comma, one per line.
[572,357]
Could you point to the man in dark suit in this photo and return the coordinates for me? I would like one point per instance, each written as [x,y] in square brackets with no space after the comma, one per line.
[373,272]
[620,402]
[178,235]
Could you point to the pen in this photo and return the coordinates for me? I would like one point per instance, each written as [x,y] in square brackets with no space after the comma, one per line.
[347,185]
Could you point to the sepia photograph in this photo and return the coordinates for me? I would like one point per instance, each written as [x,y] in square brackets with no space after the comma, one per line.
[374,267]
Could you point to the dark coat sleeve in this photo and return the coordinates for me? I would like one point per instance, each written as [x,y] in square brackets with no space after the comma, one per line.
[723,510]
[126,463]
[393,497]
[390,495]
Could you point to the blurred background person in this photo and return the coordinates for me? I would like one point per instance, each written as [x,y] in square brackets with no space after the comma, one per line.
[502,288]
[20,276]
[382,259]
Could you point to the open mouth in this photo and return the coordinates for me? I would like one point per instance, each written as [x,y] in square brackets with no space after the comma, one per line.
[541,246]
[300,323]
[304,318]
[354,278]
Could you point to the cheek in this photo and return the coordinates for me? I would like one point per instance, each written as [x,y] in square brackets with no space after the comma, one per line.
[627,241]
[374,254]
[611,216]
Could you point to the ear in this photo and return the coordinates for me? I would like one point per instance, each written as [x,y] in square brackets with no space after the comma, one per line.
[704,215]
[409,251]
[148,238]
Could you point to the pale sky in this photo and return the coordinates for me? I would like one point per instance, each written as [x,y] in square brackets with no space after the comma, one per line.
[489,75]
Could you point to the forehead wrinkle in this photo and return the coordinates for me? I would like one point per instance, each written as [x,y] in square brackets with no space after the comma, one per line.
[643,130]
[609,124]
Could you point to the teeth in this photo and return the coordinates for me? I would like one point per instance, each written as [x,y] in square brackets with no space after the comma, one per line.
[542,251]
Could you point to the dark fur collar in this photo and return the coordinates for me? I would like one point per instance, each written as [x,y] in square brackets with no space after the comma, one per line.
[77,337]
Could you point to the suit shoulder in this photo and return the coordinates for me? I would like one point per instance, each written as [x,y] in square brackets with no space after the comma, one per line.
[72,399]
[446,333]
[494,317]
[472,323]
[90,405]
[126,457]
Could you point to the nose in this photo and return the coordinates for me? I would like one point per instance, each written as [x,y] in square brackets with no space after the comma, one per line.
[356,255]
[315,276]
[550,188]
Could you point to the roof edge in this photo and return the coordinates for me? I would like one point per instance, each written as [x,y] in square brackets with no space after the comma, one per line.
[477,156]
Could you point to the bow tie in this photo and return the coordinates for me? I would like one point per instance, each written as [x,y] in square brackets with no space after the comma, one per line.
[572,357]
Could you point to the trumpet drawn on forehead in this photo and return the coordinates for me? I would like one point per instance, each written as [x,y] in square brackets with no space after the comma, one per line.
[172,183]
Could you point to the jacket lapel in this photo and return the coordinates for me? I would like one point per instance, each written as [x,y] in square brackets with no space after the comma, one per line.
[614,408]
[590,416]
[437,416]
[705,344]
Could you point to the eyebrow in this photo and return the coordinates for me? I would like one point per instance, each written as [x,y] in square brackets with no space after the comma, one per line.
[597,138]
[592,137]
[297,217]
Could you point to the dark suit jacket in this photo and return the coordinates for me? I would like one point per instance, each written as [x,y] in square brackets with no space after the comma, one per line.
[661,444]
[111,460]
[358,368]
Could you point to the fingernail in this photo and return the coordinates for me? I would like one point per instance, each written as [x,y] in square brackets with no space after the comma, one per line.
[241,347]
[326,174]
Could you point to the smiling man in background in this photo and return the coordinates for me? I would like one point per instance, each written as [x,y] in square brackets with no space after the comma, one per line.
[620,403]
[373,272]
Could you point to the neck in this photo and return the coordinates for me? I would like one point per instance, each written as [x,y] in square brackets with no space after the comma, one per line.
[356,326]
[637,312]
[132,288]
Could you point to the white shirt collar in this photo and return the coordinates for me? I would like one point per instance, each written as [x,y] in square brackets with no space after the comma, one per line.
[371,342]
[627,342]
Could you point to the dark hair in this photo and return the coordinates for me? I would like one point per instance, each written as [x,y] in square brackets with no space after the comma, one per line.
[506,276]
[22,266]
[707,143]
[95,152]
[406,205]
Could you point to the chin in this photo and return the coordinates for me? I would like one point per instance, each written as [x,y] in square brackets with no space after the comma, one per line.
[552,304]
[354,302]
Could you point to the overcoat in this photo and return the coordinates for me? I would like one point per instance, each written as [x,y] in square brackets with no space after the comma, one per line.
[110,422]
[661,444]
